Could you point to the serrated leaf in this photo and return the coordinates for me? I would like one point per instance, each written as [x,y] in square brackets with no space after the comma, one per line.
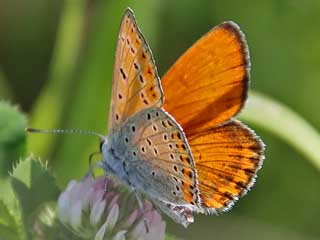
[33,186]
[8,197]
[12,137]
[9,229]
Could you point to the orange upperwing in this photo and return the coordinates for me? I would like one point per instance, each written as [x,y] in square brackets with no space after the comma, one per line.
[227,159]
[208,84]
[203,90]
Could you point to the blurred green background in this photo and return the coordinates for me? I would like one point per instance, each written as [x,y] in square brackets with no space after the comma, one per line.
[56,60]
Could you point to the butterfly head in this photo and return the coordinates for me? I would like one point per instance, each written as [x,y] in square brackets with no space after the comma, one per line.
[106,151]
[103,143]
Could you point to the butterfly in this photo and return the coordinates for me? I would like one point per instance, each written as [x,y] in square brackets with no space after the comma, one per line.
[175,140]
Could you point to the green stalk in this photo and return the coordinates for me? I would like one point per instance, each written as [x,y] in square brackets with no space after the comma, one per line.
[286,124]
[48,110]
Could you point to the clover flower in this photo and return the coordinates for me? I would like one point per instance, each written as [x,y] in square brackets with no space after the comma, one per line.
[100,209]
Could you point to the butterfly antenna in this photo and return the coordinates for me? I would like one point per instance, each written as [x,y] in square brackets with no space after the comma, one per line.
[65,131]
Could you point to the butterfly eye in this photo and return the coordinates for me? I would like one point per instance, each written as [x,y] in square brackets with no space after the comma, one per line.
[101,145]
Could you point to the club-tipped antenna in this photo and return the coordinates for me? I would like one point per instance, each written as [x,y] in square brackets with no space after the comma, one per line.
[66,131]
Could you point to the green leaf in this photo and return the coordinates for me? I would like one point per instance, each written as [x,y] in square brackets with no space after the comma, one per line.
[12,137]
[9,228]
[33,186]
[8,197]
[12,147]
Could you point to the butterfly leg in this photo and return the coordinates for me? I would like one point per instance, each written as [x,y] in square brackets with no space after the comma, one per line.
[90,173]
[138,197]
[106,181]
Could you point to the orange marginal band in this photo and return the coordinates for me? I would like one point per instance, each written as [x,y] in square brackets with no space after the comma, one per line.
[227,160]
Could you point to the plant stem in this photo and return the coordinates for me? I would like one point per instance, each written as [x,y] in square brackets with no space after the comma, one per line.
[48,110]
[283,122]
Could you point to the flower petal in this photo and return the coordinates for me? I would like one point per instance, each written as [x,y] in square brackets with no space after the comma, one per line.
[97,211]
[132,218]
[101,232]
[112,216]
[109,223]
[64,207]
[113,201]
[155,224]
[120,235]
[70,186]
[139,232]
[76,214]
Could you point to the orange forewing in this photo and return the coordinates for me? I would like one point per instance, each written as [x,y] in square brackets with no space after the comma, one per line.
[136,84]
[208,84]
[227,159]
